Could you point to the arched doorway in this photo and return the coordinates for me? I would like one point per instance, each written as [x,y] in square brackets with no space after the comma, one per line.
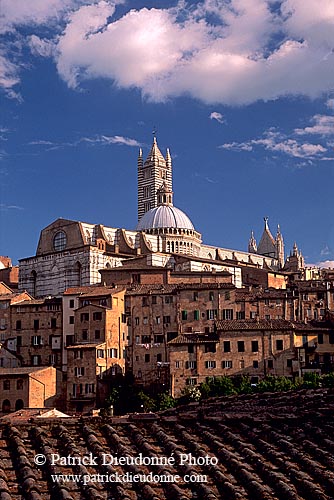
[6,406]
[19,404]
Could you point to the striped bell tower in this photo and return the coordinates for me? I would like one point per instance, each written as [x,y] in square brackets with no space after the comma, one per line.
[153,173]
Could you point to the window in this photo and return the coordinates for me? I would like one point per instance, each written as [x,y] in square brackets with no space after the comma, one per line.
[145,301]
[228,314]
[191,365]
[137,321]
[6,385]
[227,295]
[255,364]
[279,345]
[84,334]
[227,364]
[195,296]
[196,315]
[242,363]
[97,316]
[158,339]
[190,349]
[211,313]
[35,360]
[159,358]
[191,381]
[86,302]
[114,353]
[100,353]
[184,315]
[89,388]
[84,317]
[53,322]
[70,339]
[154,299]
[71,303]
[240,315]
[36,324]
[146,339]
[18,341]
[97,334]
[210,347]
[289,363]
[252,315]
[169,299]
[255,346]
[36,340]
[137,339]
[158,320]
[78,354]
[59,241]
[267,317]
[145,320]
[71,320]
[166,320]
[331,337]
[210,364]
[146,191]
[147,358]
[241,346]
[227,346]
[79,371]
[270,363]
[266,302]
[320,338]
[18,324]
[19,384]
[53,359]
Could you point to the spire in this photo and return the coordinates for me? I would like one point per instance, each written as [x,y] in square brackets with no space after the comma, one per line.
[155,156]
[252,246]
[140,158]
[280,247]
[267,245]
[168,159]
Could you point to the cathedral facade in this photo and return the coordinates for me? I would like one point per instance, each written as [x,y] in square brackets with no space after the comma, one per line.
[71,253]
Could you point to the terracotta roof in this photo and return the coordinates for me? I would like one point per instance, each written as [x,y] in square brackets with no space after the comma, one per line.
[93,290]
[85,346]
[194,338]
[253,324]
[22,370]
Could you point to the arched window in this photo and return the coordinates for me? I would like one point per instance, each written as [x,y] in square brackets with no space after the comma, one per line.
[19,404]
[19,384]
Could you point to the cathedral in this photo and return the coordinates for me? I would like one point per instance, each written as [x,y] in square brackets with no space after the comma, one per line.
[71,253]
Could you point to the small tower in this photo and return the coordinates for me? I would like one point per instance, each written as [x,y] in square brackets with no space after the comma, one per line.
[152,173]
[279,247]
[164,195]
[252,246]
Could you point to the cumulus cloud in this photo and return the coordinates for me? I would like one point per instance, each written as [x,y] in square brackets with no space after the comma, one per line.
[325,264]
[277,142]
[323,125]
[234,52]
[217,116]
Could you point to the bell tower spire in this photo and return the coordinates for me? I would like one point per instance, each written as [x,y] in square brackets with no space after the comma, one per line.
[152,174]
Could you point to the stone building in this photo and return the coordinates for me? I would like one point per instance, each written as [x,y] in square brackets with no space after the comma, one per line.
[27,387]
[96,351]
[256,348]
[9,274]
[8,297]
[36,332]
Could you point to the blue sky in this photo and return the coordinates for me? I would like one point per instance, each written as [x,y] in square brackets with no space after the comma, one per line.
[241,91]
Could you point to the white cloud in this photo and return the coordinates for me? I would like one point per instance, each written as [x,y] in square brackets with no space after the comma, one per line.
[233,52]
[102,140]
[4,207]
[217,116]
[277,142]
[323,125]
[326,264]
[330,103]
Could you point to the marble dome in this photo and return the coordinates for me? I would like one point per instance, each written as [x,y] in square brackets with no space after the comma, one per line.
[164,216]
